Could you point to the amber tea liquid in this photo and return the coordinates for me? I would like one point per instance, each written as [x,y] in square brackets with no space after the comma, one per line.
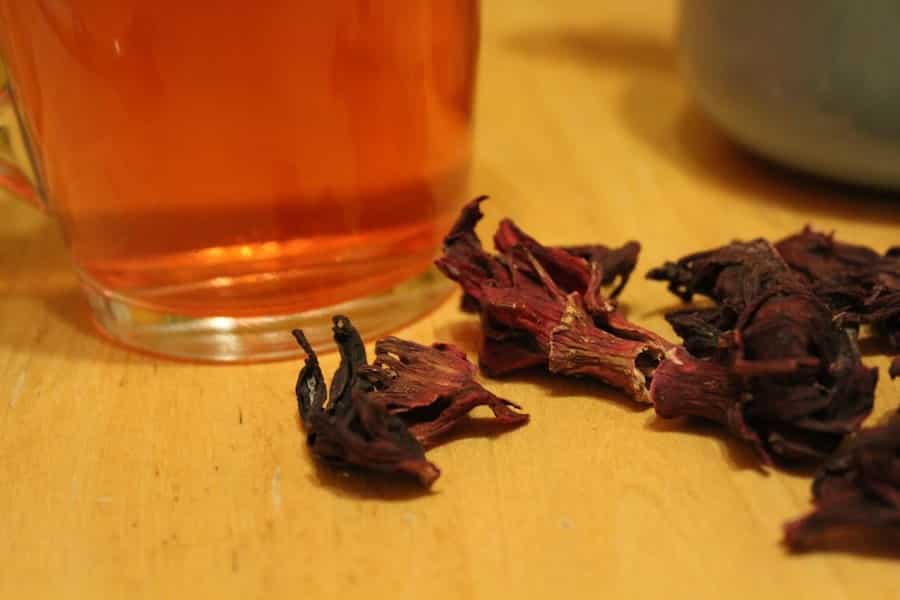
[245,158]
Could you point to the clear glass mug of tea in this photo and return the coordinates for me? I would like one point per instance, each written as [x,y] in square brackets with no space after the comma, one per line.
[222,175]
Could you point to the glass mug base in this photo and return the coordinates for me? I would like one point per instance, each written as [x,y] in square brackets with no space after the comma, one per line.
[257,338]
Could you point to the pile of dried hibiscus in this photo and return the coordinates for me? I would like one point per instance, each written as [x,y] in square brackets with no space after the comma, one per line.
[774,359]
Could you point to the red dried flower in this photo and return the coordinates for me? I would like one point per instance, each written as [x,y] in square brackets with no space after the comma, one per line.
[383,416]
[857,490]
[796,380]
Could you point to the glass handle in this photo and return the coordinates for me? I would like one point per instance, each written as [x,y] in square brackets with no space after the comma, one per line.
[17,173]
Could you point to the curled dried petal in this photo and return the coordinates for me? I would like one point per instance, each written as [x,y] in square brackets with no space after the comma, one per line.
[572,267]
[465,261]
[310,388]
[432,388]
[617,264]
[571,273]
[701,329]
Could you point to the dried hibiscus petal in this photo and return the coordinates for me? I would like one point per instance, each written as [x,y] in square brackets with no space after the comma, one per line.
[431,388]
[701,329]
[857,489]
[349,427]
[570,266]
[857,283]
[465,260]
[845,275]
[731,275]
[796,380]
[616,264]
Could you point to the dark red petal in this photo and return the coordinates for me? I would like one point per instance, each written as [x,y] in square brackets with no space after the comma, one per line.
[432,388]
[856,490]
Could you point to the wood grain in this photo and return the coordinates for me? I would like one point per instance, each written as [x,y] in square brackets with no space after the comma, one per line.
[124,476]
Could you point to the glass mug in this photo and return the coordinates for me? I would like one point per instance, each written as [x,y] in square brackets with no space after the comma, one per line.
[224,175]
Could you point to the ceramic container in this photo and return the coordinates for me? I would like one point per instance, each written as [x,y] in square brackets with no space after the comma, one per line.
[814,84]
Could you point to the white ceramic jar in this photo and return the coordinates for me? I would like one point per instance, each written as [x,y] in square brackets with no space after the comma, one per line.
[814,84]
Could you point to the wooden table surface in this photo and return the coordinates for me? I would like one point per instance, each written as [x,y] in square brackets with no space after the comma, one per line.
[124,476]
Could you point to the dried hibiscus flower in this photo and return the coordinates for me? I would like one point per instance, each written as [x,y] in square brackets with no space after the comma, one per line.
[349,428]
[770,363]
[858,284]
[383,416]
[542,306]
[857,490]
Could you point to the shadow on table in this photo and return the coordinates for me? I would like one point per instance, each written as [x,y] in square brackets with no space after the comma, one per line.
[367,485]
[630,50]
[879,544]
[737,453]
[561,386]
[687,138]
[656,109]
[371,485]
[40,289]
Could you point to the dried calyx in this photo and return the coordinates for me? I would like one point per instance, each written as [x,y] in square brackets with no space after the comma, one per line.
[858,284]
[857,491]
[545,306]
[383,416]
[767,360]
